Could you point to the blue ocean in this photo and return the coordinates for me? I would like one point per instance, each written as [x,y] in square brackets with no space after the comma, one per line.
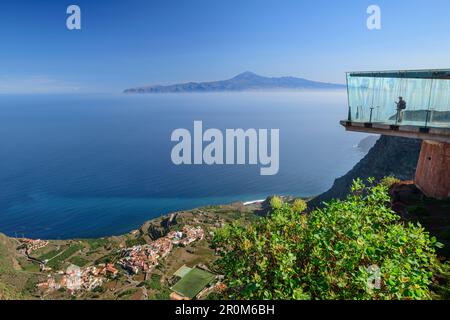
[79,166]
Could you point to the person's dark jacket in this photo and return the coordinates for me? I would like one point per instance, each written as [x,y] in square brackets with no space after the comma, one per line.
[401,105]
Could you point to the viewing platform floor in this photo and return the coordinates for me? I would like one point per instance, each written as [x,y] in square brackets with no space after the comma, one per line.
[407,130]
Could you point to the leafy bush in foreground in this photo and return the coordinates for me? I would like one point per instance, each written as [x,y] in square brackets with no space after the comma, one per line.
[331,253]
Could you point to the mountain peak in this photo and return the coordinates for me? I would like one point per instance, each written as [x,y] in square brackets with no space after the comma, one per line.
[244,81]
[247,75]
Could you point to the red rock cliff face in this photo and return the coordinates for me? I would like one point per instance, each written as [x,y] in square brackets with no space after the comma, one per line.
[433,169]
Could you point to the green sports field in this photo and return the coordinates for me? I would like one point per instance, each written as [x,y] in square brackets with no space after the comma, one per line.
[193,282]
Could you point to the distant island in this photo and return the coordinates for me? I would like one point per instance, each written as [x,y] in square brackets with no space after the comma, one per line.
[246,81]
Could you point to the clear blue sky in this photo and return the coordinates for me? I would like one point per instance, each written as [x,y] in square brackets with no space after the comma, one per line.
[136,42]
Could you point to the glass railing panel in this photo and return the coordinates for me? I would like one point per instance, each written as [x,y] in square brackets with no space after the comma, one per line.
[360,95]
[416,94]
[440,104]
[386,93]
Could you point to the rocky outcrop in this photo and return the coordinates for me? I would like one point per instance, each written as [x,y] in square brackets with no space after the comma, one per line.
[367,143]
[390,156]
[158,228]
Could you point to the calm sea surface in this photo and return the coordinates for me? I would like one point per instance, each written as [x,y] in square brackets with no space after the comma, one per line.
[89,165]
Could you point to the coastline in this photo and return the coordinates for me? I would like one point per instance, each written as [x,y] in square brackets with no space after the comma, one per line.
[253,202]
[252,205]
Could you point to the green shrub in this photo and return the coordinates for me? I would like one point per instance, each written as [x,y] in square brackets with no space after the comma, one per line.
[276,202]
[327,254]
[299,206]
[390,181]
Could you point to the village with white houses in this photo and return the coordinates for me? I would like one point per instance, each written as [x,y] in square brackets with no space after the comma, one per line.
[75,278]
[132,260]
[145,257]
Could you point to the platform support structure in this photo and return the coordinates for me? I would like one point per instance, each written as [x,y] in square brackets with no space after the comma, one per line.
[433,169]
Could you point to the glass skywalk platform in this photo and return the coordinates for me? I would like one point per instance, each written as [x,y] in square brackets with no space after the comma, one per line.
[374,103]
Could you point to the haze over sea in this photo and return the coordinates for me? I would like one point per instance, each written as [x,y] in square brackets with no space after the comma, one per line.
[77,166]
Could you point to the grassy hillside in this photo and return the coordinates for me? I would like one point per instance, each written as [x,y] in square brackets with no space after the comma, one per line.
[7,254]
[12,280]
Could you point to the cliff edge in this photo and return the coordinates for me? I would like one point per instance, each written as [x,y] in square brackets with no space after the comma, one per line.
[390,156]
